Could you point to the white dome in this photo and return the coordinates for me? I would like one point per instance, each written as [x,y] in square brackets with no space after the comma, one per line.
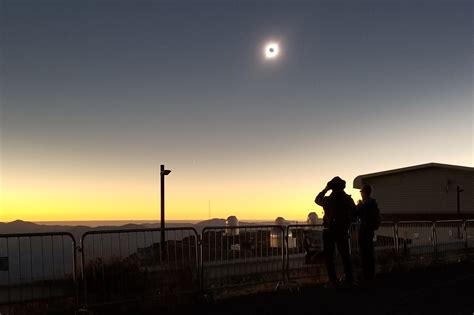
[312,218]
[281,221]
[232,221]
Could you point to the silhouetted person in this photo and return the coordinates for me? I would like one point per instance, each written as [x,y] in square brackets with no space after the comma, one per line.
[338,209]
[369,214]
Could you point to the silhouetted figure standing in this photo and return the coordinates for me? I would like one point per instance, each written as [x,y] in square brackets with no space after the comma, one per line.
[369,214]
[338,209]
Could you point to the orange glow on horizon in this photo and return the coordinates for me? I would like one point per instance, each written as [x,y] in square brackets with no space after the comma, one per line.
[126,201]
[59,193]
[32,196]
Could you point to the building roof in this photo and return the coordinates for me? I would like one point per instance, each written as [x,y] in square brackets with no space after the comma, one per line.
[358,179]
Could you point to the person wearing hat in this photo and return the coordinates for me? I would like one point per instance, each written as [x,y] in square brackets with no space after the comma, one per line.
[368,213]
[338,209]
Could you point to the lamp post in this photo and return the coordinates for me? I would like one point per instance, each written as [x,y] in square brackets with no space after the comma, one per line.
[459,190]
[163,173]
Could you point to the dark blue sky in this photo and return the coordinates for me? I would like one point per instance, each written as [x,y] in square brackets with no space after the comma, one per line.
[122,85]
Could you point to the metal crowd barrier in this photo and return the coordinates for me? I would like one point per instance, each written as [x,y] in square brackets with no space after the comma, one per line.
[450,236]
[136,264]
[469,224]
[385,237]
[37,270]
[232,256]
[385,245]
[384,242]
[304,252]
[416,238]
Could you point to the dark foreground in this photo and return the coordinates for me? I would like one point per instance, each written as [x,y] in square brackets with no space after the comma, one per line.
[431,290]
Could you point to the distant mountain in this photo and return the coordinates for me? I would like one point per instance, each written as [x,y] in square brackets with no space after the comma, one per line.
[212,222]
[20,226]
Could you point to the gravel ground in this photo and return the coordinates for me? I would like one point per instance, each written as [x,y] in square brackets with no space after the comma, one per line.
[438,289]
[433,290]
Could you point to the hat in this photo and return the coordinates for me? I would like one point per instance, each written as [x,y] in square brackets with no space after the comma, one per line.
[337,183]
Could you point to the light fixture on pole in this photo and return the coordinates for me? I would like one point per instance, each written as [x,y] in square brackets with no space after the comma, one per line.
[163,173]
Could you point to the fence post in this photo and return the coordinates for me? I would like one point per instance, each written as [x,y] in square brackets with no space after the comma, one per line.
[200,262]
[464,224]
[287,255]
[284,240]
[74,274]
[434,236]
[395,235]
[80,248]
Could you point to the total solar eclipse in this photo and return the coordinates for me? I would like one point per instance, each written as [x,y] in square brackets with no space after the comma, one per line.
[271,50]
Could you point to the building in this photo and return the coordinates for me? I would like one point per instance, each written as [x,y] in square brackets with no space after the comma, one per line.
[430,191]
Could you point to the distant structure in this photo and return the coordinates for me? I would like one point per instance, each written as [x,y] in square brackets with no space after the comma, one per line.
[232,221]
[281,221]
[312,218]
[429,191]
[277,239]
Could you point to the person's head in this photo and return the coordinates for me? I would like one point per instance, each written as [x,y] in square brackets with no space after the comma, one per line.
[365,191]
[337,184]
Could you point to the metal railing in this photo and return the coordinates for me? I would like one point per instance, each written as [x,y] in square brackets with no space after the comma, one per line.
[136,264]
[124,265]
[304,252]
[37,269]
[416,238]
[233,256]
[384,242]
[469,226]
[450,236]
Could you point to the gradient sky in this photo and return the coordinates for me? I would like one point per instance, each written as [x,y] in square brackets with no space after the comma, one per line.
[95,95]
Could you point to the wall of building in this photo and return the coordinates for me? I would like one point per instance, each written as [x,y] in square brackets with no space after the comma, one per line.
[424,191]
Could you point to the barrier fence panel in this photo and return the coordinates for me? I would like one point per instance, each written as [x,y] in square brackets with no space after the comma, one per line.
[450,236]
[37,271]
[354,239]
[128,265]
[132,264]
[384,242]
[304,255]
[416,238]
[242,255]
[469,234]
[384,237]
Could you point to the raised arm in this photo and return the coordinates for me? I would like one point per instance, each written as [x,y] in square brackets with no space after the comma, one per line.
[320,197]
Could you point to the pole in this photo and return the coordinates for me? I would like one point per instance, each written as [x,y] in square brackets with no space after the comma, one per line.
[458,192]
[162,219]
[458,199]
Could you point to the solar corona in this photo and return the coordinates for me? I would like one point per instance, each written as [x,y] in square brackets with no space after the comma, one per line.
[272,50]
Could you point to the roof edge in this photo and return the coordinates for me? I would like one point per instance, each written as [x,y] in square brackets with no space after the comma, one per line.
[359,179]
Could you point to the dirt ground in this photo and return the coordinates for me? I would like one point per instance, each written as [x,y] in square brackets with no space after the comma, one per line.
[433,289]
[447,289]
